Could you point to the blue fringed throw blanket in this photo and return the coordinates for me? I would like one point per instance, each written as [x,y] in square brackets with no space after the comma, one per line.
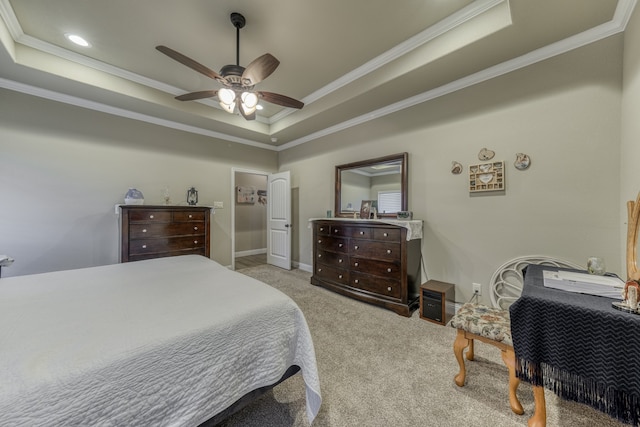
[579,346]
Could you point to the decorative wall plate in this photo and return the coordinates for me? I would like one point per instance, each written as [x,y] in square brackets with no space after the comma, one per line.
[485,154]
[456,168]
[522,161]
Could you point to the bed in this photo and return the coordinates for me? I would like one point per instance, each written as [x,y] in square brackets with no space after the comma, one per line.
[162,342]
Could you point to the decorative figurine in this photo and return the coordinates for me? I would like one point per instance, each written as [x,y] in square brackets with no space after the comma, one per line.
[630,295]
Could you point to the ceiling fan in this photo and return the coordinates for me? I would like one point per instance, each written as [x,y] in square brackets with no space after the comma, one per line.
[238,81]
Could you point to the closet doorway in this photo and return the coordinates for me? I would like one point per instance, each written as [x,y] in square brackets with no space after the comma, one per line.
[249,242]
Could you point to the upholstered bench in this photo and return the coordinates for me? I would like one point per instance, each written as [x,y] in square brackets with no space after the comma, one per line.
[492,326]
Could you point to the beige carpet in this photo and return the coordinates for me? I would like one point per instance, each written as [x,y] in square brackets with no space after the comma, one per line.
[381,369]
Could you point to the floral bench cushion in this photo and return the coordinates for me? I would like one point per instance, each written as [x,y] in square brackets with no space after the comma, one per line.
[492,323]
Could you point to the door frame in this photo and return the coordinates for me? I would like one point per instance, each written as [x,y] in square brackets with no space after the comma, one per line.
[233,207]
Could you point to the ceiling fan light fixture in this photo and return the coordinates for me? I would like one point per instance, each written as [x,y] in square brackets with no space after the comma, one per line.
[249,100]
[226,96]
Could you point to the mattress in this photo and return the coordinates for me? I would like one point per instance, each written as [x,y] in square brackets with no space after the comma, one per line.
[162,342]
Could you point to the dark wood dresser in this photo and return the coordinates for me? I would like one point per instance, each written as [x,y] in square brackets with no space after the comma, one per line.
[370,261]
[161,231]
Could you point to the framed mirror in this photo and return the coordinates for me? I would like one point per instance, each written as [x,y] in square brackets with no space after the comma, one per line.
[382,180]
[633,225]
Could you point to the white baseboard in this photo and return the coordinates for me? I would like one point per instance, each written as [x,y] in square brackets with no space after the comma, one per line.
[251,252]
[304,267]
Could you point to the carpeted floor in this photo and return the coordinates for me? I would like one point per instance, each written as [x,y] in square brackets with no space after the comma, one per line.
[380,369]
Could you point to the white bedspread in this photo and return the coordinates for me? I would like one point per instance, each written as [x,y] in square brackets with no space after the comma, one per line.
[163,342]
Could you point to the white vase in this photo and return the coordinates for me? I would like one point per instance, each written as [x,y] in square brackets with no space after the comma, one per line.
[133,197]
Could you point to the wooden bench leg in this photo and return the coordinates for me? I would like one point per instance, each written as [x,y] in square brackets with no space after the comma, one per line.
[470,353]
[509,359]
[539,418]
[459,345]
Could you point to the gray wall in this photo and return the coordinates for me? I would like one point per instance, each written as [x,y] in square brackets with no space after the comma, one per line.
[63,169]
[563,112]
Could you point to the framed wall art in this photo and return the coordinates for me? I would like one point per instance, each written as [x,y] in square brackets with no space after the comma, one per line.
[487,177]
[246,194]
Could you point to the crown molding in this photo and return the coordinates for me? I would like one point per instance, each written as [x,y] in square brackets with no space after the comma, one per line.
[121,112]
[618,24]
[615,26]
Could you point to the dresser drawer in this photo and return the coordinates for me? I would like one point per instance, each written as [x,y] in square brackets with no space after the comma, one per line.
[170,244]
[370,249]
[186,216]
[332,274]
[323,229]
[387,269]
[333,244]
[149,215]
[143,231]
[377,285]
[387,234]
[346,231]
[336,259]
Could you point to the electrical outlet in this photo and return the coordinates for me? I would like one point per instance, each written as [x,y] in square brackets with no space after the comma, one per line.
[477,289]
[218,205]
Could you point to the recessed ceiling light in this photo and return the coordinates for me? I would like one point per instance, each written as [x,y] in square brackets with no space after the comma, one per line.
[259,107]
[77,40]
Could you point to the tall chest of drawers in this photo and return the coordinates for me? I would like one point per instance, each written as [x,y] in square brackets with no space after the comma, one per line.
[369,261]
[161,231]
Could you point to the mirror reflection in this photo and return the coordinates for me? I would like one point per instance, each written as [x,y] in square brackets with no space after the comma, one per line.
[382,180]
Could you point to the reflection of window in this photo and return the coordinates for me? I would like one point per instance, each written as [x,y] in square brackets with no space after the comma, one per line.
[389,201]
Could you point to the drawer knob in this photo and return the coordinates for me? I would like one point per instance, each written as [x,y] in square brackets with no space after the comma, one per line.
[356,264]
[321,228]
[190,216]
[319,255]
[195,228]
[144,230]
[151,216]
[144,246]
[340,245]
[388,251]
[335,231]
[319,270]
[195,242]
[319,241]
[356,281]
[339,276]
[386,234]
[340,260]
[389,288]
[388,270]
[356,247]
[362,232]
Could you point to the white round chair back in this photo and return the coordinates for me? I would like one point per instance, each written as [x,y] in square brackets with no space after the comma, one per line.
[506,283]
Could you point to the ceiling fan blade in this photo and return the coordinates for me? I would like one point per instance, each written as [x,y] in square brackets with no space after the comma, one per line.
[190,63]
[251,116]
[276,98]
[259,69]
[197,95]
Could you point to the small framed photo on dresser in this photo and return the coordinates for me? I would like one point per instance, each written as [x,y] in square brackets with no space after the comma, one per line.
[365,209]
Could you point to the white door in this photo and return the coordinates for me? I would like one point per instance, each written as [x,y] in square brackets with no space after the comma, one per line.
[279,220]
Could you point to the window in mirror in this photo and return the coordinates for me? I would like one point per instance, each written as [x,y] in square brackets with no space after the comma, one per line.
[383,180]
